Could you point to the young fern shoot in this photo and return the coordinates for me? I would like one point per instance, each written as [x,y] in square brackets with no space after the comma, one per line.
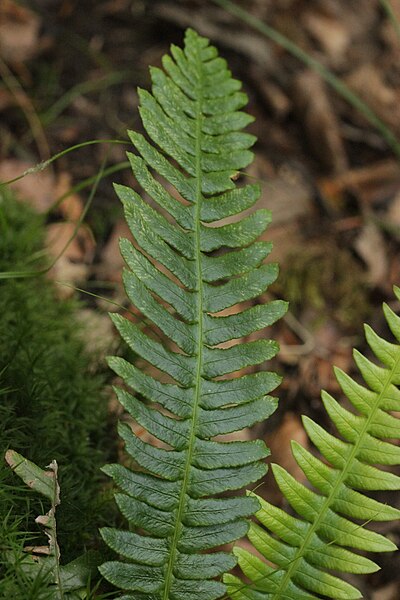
[173,501]
[306,549]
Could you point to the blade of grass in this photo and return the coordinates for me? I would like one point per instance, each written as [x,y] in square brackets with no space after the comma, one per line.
[35,273]
[45,163]
[81,89]
[392,16]
[98,296]
[86,182]
[339,86]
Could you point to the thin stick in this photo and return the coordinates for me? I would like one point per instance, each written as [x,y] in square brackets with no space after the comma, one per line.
[45,163]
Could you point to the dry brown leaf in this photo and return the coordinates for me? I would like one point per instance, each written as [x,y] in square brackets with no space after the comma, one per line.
[368,82]
[73,264]
[370,245]
[98,333]
[45,550]
[360,18]
[272,94]
[37,188]
[287,239]
[371,184]
[244,435]
[72,206]
[286,193]
[389,592]
[278,442]
[111,263]
[19,32]
[393,214]
[315,369]
[81,247]
[319,120]
[331,34]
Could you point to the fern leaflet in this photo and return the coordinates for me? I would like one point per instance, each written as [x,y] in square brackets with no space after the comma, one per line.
[173,503]
[305,550]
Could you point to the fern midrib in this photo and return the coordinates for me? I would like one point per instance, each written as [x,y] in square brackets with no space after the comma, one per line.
[326,505]
[197,384]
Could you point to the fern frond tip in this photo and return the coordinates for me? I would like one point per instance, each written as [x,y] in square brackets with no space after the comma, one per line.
[182,256]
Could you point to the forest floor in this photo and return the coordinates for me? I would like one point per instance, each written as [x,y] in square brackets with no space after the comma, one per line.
[69,72]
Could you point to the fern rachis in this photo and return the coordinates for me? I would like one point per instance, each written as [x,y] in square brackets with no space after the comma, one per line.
[305,550]
[193,117]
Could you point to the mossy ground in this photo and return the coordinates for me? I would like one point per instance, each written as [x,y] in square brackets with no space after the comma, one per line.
[52,404]
[329,281]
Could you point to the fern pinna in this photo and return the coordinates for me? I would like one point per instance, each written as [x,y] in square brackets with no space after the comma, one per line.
[193,117]
[305,550]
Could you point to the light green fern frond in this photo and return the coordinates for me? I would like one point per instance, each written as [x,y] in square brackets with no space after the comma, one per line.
[173,502]
[306,550]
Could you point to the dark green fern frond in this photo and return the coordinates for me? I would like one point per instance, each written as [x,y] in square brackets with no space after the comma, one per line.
[193,116]
[305,550]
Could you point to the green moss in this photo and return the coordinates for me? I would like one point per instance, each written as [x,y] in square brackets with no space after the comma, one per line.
[51,405]
[329,280]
